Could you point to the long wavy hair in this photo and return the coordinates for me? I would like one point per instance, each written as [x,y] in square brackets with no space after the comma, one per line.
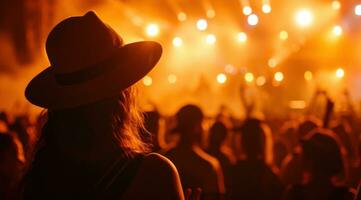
[118,115]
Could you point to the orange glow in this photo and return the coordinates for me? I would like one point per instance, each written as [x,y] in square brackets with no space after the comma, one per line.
[172,79]
[182,16]
[261,80]
[211,13]
[308,75]
[272,63]
[283,35]
[336,5]
[297,104]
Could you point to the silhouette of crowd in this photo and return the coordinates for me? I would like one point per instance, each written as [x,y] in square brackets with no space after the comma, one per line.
[100,146]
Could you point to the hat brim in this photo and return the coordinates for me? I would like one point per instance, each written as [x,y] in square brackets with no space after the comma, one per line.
[131,63]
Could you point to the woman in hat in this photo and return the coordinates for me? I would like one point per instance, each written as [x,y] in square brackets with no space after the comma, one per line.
[90,147]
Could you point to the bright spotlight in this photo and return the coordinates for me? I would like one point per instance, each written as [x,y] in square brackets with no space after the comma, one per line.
[211,39]
[336,5]
[242,37]
[304,18]
[211,13]
[147,81]
[266,8]
[221,78]
[337,30]
[308,75]
[182,16]
[340,73]
[202,24]
[278,76]
[172,78]
[283,35]
[247,10]
[252,20]
[358,10]
[177,42]
[152,30]
[249,77]
[261,80]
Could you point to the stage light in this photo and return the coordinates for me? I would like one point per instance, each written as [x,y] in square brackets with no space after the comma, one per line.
[177,42]
[248,77]
[211,13]
[272,63]
[337,30]
[182,16]
[278,76]
[304,18]
[340,73]
[358,9]
[147,81]
[283,35]
[172,78]
[221,78]
[261,80]
[242,37]
[336,5]
[266,8]
[308,75]
[211,39]
[152,30]
[247,10]
[252,20]
[202,24]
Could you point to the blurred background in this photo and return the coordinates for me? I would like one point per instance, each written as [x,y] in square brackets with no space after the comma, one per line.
[272,54]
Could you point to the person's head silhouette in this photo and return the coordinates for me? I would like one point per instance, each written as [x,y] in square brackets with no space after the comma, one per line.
[88,87]
[322,155]
[217,135]
[189,124]
[254,140]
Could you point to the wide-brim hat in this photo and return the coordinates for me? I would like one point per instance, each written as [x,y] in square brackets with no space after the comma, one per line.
[88,63]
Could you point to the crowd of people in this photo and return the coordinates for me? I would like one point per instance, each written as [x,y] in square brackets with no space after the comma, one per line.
[92,142]
[230,159]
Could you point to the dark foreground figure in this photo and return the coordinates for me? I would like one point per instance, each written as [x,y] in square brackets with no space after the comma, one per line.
[90,147]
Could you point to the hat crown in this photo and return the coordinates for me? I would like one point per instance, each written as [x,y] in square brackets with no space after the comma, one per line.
[78,43]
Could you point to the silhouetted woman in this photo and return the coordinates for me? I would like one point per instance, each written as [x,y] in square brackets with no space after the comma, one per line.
[90,147]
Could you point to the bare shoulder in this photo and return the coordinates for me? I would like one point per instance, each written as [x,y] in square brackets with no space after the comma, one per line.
[157,162]
[157,179]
